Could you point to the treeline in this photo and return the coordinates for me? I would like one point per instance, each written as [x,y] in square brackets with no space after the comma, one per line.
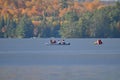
[102,23]
[58,18]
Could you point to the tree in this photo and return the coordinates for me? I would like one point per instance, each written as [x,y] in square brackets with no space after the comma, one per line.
[24,28]
[1,27]
[71,16]
[64,4]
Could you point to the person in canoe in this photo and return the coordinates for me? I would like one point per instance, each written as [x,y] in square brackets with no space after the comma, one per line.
[52,41]
[58,42]
[63,41]
[98,42]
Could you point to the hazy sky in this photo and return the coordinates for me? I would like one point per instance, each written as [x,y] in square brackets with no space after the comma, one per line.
[110,0]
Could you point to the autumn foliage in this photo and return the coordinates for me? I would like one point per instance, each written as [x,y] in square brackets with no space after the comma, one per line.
[17,8]
[46,18]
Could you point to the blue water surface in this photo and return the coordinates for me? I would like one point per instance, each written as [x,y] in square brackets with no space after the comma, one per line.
[32,59]
[81,51]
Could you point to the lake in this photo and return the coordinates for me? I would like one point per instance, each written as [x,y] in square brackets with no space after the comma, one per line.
[32,59]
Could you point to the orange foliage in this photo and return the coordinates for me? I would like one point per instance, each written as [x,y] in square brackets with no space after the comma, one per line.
[34,10]
[95,4]
[36,23]
[11,11]
[28,4]
[55,4]
[23,11]
[62,12]
[17,8]
[76,5]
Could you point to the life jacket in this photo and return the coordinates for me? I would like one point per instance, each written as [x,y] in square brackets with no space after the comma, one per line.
[52,41]
[99,42]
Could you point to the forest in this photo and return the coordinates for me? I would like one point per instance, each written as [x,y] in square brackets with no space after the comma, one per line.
[59,18]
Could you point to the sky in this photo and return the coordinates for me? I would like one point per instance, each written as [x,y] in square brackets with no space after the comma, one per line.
[110,0]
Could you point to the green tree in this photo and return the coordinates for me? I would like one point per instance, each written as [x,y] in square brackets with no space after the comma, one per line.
[11,29]
[24,28]
[69,26]
[20,29]
[71,16]
[84,27]
[64,4]
[1,26]
[114,19]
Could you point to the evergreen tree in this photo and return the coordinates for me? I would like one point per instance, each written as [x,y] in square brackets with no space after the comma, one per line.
[11,29]
[24,28]
[64,4]
[1,27]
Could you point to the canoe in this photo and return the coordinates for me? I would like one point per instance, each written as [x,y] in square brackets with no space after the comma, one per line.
[57,44]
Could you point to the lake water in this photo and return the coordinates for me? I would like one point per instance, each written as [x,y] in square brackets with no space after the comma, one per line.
[32,59]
